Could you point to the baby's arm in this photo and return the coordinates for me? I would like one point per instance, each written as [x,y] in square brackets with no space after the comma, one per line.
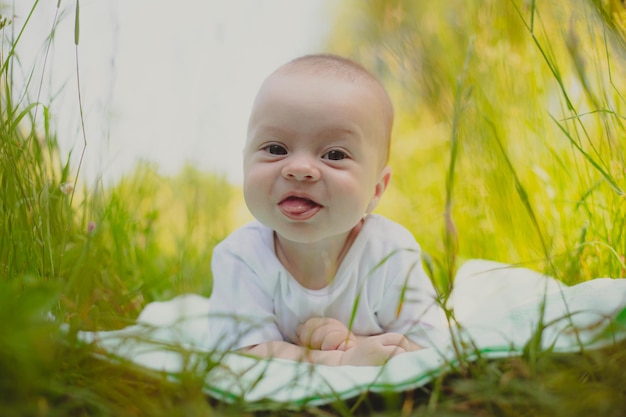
[327,341]
[330,334]
[370,351]
[286,350]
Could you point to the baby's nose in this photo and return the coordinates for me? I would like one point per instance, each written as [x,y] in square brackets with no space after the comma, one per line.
[301,169]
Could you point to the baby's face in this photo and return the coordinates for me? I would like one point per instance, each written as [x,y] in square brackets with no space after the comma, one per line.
[315,154]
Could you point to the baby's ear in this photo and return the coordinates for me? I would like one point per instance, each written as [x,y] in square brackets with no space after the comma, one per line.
[381,186]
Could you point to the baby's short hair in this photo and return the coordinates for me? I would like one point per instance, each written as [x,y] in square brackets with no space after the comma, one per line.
[351,71]
[338,65]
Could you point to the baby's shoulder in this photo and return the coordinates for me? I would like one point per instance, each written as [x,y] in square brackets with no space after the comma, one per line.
[388,232]
[252,236]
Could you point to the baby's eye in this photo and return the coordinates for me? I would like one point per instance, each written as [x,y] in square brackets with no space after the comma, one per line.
[335,155]
[276,149]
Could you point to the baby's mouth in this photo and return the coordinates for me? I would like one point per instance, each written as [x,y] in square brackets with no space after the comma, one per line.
[299,208]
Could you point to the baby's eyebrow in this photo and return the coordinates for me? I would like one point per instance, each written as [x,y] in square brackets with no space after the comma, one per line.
[274,131]
[338,132]
[348,134]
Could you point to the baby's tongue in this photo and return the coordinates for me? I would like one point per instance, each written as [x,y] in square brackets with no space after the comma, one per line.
[297,205]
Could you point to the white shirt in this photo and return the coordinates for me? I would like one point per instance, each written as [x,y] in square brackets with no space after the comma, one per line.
[380,285]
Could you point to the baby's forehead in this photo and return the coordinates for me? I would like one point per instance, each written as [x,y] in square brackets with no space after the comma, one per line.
[327,68]
[348,72]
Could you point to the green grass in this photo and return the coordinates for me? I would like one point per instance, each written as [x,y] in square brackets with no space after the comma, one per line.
[510,127]
[509,145]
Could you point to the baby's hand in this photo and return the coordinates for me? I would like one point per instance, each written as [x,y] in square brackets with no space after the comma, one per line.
[376,350]
[323,333]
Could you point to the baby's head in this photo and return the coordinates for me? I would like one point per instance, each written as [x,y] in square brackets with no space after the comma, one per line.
[348,71]
[317,145]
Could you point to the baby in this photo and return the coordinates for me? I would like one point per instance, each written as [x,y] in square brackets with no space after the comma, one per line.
[317,277]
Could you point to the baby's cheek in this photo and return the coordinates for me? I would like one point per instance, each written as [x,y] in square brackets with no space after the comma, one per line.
[254,190]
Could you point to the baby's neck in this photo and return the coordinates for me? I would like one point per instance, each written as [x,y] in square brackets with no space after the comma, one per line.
[314,265]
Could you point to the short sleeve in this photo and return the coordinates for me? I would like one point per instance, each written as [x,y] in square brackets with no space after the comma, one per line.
[410,305]
[241,310]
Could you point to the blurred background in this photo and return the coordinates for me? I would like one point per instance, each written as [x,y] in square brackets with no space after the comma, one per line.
[162,82]
[508,140]
[509,144]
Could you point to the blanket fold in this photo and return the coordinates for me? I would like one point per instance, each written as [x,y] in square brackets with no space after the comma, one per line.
[497,309]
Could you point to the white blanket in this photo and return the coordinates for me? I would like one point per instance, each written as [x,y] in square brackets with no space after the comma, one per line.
[497,309]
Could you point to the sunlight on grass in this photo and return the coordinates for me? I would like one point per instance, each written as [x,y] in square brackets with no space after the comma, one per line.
[510,144]
[540,107]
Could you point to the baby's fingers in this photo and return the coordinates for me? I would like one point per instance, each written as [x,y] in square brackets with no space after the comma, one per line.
[394,340]
[324,334]
[305,330]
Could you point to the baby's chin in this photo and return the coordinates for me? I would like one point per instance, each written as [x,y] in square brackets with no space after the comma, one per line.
[289,235]
[310,234]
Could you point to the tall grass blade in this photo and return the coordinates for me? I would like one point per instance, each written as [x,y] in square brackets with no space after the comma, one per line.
[606,175]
